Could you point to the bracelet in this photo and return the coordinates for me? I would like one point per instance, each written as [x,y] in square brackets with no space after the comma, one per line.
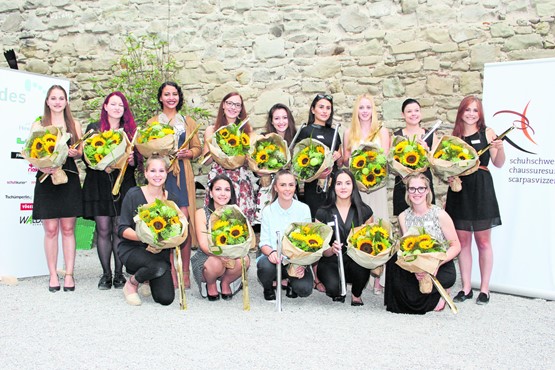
[274,251]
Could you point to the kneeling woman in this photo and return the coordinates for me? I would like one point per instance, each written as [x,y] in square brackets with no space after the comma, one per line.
[402,293]
[208,268]
[142,261]
[344,202]
[276,217]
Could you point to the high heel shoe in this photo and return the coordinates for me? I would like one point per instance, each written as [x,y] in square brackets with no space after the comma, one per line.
[69,288]
[54,288]
[339,299]
[213,298]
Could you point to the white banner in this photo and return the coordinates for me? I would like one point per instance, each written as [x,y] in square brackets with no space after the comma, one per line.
[521,93]
[22,97]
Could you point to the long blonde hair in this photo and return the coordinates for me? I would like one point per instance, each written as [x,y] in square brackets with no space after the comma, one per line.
[355,133]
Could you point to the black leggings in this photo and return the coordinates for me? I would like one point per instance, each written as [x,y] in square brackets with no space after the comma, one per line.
[154,268]
[107,243]
[355,274]
[267,274]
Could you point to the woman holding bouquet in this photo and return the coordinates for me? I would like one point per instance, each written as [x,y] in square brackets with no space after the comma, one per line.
[474,209]
[402,292]
[98,202]
[319,127]
[181,180]
[280,121]
[366,129]
[207,267]
[412,115]
[344,202]
[144,262]
[284,210]
[232,110]
[58,206]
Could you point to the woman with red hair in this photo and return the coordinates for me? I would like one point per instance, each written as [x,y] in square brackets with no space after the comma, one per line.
[474,209]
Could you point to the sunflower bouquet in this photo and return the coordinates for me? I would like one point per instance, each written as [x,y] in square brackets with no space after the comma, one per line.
[310,159]
[370,246]
[229,146]
[156,137]
[106,149]
[368,164]
[161,224]
[407,156]
[419,252]
[452,156]
[47,147]
[231,235]
[304,243]
[268,154]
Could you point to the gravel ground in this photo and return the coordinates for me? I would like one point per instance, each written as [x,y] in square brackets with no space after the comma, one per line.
[94,329]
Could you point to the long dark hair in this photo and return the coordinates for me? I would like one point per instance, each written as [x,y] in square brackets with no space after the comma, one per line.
[458,130]
[317,98]
[179,92]
[127,122]
[68,117]
[232,200]
[356,200]
[290,131]
[220,117]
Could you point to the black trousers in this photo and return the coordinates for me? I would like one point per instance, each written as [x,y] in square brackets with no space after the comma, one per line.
[328,274]
[154,268]
[267,274]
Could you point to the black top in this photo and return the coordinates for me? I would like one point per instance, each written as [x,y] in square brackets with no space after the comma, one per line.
[324,134]
[133,199]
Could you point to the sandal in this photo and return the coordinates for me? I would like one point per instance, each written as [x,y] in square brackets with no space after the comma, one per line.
[319,286]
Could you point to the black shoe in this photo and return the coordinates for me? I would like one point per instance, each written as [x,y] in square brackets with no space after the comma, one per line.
[289,292]
[69,288]
[213,298]
[119,280]
[461,297]
[105,282]
[356,304]
[483,298]
[54,288]
[227,297]
[339,299]
[269,294]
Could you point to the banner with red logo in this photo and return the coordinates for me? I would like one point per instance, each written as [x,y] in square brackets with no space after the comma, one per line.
[22,97]
[521,94]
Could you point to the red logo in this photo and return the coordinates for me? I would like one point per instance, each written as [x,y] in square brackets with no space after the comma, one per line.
[26,207]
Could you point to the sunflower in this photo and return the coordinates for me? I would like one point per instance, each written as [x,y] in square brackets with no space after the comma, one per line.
[116,138]
[365,245]
[49,138]
[307,229]
[34,153]
[245,139]
[297,236]
[153,137]
[396,158]
[427,244]
[220,224]
[144,214]
[410,159]
[303,160]
[379,230]
[463,156]
[37,145]
[439,154]
[270,148]
[379,247]
[98,157]
[399,148]
[232,140]
[408,244]
[359,162]
[314,240]
[167,131]
[224,133]
[369,180]
[49,146]
[97,141]
[107,134]
[320,149]
[379,171]
[158,223]
[371,155]
[423,238]
[236,231]
[262,157]
[221,239]
[175,220]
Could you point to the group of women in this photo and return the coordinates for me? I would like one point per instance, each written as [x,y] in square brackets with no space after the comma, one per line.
[471,211]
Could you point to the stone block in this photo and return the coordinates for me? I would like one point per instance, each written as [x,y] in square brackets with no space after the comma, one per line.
[410,66]
[439,84]
[460,32]
[393,87]
[391,109]
[266,48]
[430,14]
[417,88]
[400,22]
[356,71]
[12,23]
[410,47]
[437,35]
[8,6]
[431,64]
[409,6]
[470,83]
[382,70]
[520,42]
[514,6]
[501,29]
[37,66]
[544,8]
[370,47]
[482,53]
[353,20]
[325,67]
[268,98]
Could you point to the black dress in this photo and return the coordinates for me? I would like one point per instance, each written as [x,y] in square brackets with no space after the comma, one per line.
[313,196]
[97,189]
[328,272]
[58,201]
[475,207]
[399,204]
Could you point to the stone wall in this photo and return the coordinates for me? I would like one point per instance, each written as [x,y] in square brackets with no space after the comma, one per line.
[288,50]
